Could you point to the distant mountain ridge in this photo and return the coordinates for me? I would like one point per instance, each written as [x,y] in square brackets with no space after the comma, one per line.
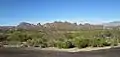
[61,26]
[115,23]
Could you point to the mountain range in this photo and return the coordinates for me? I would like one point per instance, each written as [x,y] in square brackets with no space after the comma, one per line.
[62,26]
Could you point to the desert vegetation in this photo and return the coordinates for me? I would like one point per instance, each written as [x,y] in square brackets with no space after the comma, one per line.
[29,35]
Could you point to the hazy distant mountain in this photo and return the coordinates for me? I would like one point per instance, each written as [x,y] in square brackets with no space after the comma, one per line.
[3,28]
[115,23]
[28,26]
[71,26]
[61,26]
[112,25]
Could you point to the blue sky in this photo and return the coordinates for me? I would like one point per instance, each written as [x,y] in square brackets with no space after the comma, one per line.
[93,11]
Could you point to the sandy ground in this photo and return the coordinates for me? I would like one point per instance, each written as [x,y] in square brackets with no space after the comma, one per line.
[72,49]
[16,52]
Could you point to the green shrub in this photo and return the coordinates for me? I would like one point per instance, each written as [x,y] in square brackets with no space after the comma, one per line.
[36,43]
[99,42]
[64,44]
[81,43]
[51,43]
[114,42]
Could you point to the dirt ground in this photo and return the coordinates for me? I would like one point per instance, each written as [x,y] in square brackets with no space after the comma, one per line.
[15,52]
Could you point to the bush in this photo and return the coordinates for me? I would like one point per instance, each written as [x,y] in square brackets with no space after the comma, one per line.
[36,43]
[81,43]
[88,42]
[99,42]
[64,44]
[114,42]
[18,36]
[51,43]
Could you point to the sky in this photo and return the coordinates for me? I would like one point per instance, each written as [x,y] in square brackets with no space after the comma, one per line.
[12,12]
